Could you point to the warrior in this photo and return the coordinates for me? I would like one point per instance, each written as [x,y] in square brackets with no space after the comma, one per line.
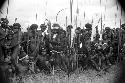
[33,44]
[44,40]
[11,45]
[87,35]
[97,36]
[77,38]
[43,60]
[6,45]
[15,43]
[5,35]
[122,34]
[107,35]
[121,39]
[68,31]
[58,39]
[42,35]
[2,35]
[42,31]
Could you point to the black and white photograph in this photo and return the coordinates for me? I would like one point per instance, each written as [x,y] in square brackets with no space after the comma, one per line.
[62,41]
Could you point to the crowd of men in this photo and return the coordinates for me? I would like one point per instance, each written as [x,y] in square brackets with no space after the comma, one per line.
[35,50]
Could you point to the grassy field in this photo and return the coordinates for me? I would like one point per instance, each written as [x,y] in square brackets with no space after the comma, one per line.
[87,76]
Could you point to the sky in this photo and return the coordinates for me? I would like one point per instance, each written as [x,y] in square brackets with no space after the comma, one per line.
[25,12]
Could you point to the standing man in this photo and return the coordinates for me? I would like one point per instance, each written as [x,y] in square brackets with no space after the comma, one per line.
[34,40]
[3,34]
[15,43]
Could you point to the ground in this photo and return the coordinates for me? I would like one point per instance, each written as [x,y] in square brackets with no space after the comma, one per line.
[87,76]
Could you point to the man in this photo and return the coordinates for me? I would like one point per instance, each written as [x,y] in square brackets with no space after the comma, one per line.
[3,34]
[15,45]
[87,35]
[77,37]
[41,33]
[68,34]
[43,60]
[11,46]
[121,40]
[43,27]
[107,35]
[34,40]
[58,39]
[122,34]
[97,35]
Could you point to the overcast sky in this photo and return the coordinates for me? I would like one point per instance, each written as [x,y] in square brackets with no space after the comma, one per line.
[25,11]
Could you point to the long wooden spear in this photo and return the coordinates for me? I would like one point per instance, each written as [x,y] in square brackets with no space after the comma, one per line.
[7,9]
[66,21]
[71,4]
[115,18]
[119,40]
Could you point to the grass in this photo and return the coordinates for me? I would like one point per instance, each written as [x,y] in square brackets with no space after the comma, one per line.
[87,76]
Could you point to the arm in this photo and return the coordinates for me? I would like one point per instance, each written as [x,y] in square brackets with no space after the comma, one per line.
[2,33]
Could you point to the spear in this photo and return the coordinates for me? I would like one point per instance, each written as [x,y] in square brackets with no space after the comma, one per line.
[46,8]
[71,3]
[28,38]
[7,8]
[119,41]
[101,23]
[1,12]
[120,23]
[76,21]
[66,21]
[92,21]
[49,28]
[77,12]
[100,2]
[7,14]
[117,5]
[101,26]
[8,2]
[84,14]
[115,18]
[121,11]
[104,16]
[36,16]
[15,20]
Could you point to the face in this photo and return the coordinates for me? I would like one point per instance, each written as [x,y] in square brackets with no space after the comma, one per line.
[63,35]
[10,37]
[16,29]
[43,29]
[3,25]
[77,31]
[44,52]
[90,31]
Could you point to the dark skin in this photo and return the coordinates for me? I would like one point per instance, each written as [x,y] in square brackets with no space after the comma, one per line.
[43,29]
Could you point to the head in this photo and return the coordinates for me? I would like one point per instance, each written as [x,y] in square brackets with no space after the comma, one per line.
[43,27]
[107,29]
[123,26]
[69,27]
[44,51]
[56,26]
[88,27]
[10,35]
[33,27]
[83,31]
[4,22]
[78,30]
[16,27]
[63,33]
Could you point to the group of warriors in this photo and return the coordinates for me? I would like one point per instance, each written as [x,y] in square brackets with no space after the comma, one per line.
[36,51]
